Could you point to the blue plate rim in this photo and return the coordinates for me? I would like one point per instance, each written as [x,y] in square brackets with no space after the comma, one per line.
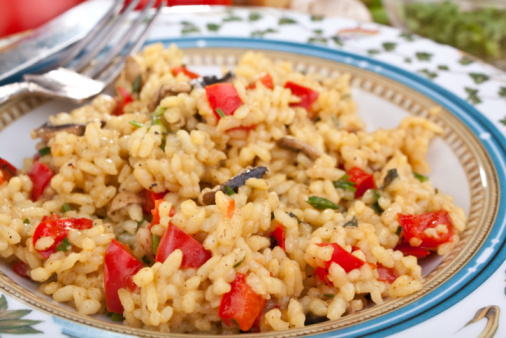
[472,274]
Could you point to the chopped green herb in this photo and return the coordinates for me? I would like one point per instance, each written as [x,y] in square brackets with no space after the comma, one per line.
[155,243]
[229,190]
[316,17]
[136,124]
[64,246]
[115,317]
[399,230]
[420,177]
[140,223]
[45,151]
[352,223]
[345,184]
[26,221]
[137,84]
[65,207]
[329,295]
[146,260]
[235,322]
[220,112]
[294,216]
[162,145]
[239,263]
[376,205]
[272,216]
[321,203]
[389,178]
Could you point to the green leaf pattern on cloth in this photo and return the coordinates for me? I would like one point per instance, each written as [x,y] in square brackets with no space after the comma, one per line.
[11,321]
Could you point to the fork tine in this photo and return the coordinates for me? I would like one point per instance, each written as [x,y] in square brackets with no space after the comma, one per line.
[112,72]
[73,51]
[118,46]
[90,55]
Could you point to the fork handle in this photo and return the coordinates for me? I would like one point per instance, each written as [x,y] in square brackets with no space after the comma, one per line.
[14,90]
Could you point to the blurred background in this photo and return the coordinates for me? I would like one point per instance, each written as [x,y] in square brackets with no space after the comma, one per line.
[474,26]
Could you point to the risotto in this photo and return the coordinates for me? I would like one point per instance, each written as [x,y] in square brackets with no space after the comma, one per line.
[253,202]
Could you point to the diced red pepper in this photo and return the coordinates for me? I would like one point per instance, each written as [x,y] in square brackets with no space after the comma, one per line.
[122,100]
[7,171]
[414,226]
[241,306]
[119,268]
[20,268]
[342,257]
[185,71]
[279,236]
[266,81]
[223,96]
[194,254]
[149,198]
[307,95]
[386,274]
[323,274]
[57,228]
[156,213]
[40,175]
[363,181]
[409,250]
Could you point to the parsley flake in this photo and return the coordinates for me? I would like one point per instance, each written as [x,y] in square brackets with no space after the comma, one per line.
[329,295]
[136,124]
[137,84]
[236,265]
[321,203]
[389,178]
[26,221]
[229,191]
[345,183]
[420,177]
[65,207]
[352,223]
[64,246]
[220,112]
[155,243]
[45,151]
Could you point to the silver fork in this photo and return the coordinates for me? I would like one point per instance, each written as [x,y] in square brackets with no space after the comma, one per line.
[94,71]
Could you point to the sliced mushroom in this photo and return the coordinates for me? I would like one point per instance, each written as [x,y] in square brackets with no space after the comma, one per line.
[205,81]
[124,199]
[234,183]
[132,69]
[48,130]
[168,90]
[291,143]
